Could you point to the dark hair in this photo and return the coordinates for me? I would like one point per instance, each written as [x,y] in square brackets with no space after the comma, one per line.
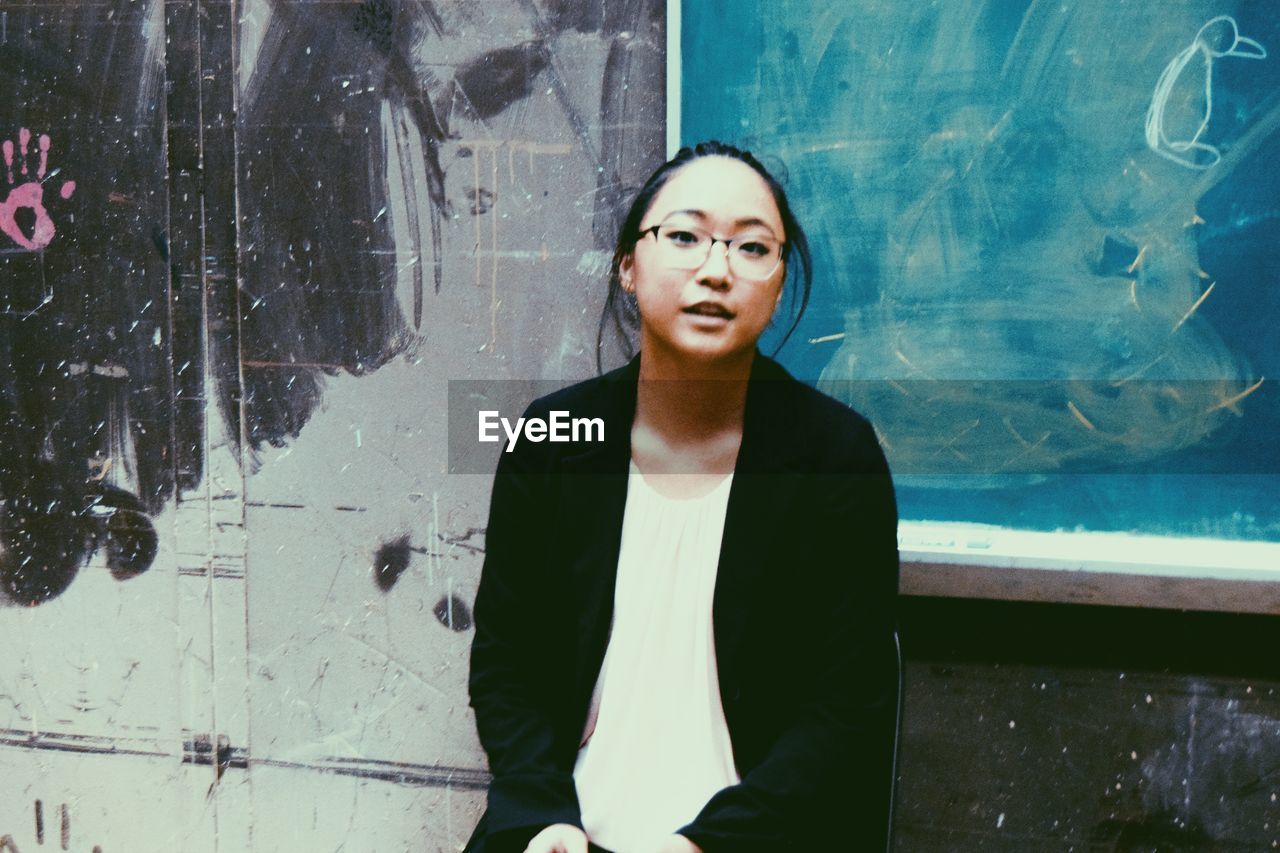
[620,306]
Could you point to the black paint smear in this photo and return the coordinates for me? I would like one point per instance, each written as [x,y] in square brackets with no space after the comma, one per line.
[49,530]
[405,89]
[161,241]
[86,380]
[25,219]
[631,128]
[453,613]
[390,562]
[121,527]
[584,16]
[131,544]
[317,257]
[408,89]
[43,541]
[494,81]
[375,20]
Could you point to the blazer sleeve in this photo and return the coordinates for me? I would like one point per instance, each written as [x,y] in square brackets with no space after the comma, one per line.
[828,776]
[515,689]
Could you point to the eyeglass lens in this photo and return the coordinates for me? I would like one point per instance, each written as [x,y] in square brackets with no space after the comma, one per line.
[750,256]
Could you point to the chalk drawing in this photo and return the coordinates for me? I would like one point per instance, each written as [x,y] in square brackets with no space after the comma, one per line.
[1193,153]
[27,192]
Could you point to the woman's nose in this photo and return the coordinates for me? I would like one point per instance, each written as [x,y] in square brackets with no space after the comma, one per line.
[715,269]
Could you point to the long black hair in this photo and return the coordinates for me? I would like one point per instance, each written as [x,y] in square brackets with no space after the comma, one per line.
[620,308]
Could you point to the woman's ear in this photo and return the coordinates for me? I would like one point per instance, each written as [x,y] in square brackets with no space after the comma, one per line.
[625,272]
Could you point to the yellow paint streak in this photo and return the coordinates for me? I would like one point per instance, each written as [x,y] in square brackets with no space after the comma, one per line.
[475,173]
[822,340]
[494,302]
[1192,309]
[1008,424]
[990,137]
[1141,370]
[517,145]
[901,356]
[1230,402]
[826,146]
[1079,415]
[950,445]
[900,388]
[1142,253]
[1027,451]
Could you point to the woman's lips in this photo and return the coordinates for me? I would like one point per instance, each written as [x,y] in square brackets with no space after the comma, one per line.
[710,310]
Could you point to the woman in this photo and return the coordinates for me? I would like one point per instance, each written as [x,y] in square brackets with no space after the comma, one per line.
[684,632]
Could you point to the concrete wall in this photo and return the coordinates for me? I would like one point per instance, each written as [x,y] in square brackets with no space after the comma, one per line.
[237,577]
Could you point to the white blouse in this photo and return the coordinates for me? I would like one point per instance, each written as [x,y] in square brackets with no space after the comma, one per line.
[656,746]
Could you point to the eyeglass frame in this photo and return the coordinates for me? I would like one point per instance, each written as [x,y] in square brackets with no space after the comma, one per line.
[728,243]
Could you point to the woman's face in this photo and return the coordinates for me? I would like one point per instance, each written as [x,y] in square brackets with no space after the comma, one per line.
[708,313]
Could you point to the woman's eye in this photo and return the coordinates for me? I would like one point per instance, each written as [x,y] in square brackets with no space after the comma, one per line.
[753,249]
[683,239]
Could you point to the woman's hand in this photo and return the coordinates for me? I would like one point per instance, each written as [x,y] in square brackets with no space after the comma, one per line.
[559,838]
[674,844]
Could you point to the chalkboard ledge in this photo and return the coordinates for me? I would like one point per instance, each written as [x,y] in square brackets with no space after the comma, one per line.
[974,561]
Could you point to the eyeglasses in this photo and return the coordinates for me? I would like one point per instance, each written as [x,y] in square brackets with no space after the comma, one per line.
[753,256]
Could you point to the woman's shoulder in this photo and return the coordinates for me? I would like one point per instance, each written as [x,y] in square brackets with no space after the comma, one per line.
[594,396]
[821,432]
[807,407]
[585,420]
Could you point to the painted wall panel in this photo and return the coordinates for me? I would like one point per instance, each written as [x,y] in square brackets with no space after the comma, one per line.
[236,575]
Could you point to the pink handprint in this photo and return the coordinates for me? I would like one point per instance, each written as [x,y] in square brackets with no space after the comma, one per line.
[29,193]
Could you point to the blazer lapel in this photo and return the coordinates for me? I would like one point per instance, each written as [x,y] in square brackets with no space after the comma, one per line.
[763,480]
[593,500]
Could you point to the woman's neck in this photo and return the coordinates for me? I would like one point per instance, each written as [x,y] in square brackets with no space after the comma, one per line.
[687,403]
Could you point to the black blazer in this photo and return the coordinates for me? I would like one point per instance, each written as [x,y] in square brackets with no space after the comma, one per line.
[803,617]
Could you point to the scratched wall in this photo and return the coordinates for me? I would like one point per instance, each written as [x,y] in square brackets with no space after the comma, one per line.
[243,248]
[1052,727]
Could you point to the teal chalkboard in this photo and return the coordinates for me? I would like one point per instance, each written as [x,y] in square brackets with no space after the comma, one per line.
[1047,242]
